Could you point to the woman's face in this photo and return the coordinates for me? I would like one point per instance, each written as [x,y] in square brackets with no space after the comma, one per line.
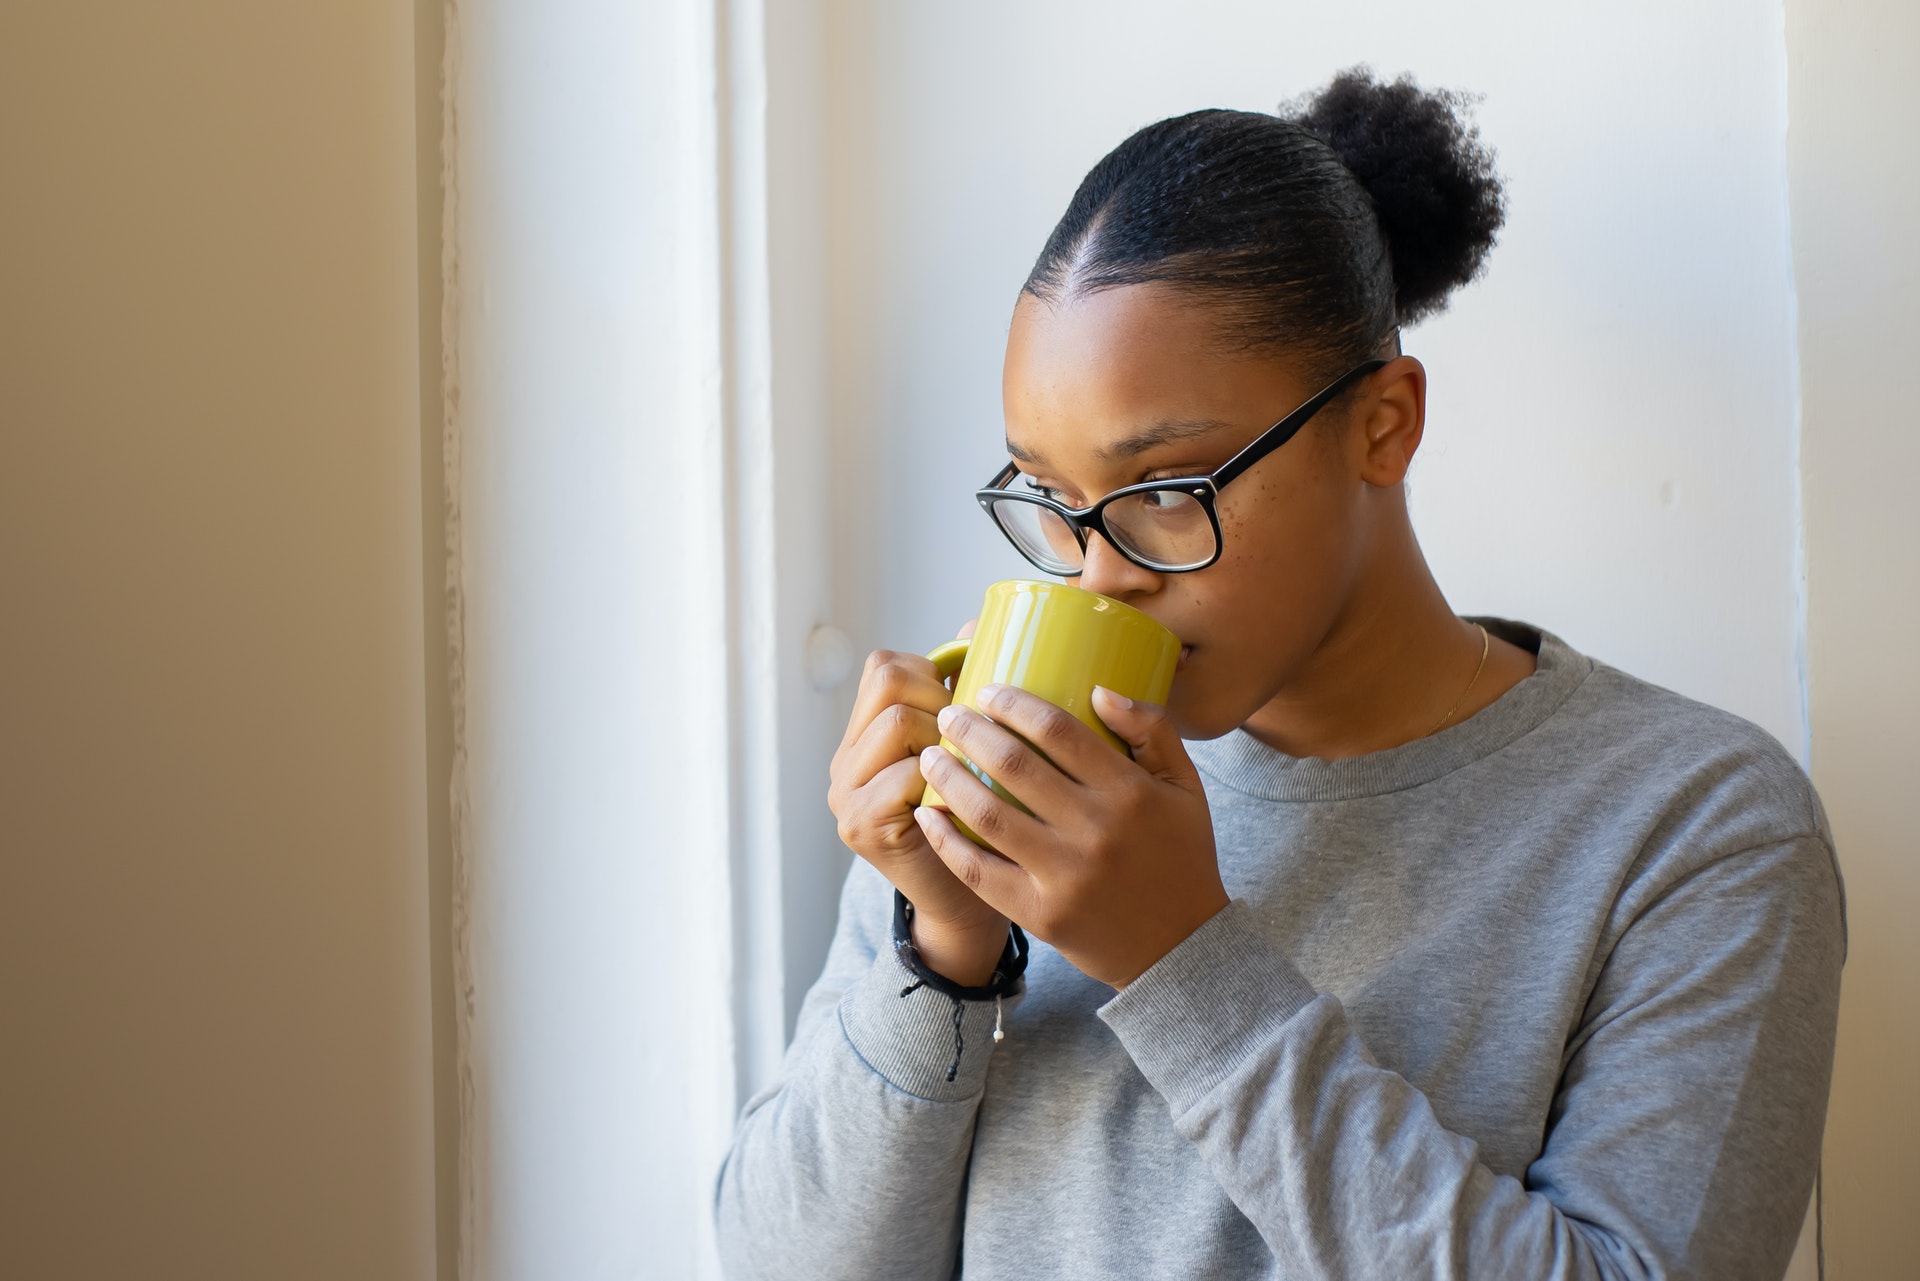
[1135,383]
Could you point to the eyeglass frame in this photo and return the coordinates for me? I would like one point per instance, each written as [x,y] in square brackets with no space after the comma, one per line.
[1205,489]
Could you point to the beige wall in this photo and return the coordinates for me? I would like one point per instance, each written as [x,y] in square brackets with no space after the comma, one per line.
[215,1053]
[1853,134]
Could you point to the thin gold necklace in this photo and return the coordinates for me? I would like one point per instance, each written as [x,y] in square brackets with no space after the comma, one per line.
[1486,644]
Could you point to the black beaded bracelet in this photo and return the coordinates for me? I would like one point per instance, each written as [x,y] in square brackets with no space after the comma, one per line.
[1007,975]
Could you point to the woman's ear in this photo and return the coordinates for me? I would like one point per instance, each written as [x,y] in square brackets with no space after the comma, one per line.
[1393,419]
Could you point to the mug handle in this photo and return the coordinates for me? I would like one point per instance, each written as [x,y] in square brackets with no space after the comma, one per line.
[949,657]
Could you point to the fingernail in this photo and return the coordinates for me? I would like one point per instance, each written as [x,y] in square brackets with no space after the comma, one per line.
[989,695]
[930,757]
[945,720]
[1120,699]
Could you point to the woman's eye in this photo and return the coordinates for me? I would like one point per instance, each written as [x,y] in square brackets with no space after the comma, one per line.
[1056,495]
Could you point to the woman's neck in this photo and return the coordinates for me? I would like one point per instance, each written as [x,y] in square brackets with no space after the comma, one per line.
[1395,662]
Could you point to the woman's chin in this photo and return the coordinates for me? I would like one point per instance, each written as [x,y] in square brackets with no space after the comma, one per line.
[1195,715]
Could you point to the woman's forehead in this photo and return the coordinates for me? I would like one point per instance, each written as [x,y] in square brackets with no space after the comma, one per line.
[1111,374]
[1118,334]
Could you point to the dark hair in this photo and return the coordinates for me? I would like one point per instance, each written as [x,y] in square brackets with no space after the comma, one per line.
[1318,229]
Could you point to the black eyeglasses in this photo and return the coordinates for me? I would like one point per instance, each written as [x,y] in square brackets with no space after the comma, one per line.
[1170,526]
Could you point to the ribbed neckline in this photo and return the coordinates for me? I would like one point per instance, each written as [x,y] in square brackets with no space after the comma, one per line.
[1242,762]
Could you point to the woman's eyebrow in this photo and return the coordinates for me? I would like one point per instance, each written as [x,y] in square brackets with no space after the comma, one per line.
[1165,432]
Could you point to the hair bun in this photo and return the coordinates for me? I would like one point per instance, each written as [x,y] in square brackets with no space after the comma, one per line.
[1432,181]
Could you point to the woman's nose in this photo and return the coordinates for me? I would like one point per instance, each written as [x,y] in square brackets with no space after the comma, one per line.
[1108,572]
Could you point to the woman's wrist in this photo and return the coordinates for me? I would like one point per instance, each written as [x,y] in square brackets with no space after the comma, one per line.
[965,954]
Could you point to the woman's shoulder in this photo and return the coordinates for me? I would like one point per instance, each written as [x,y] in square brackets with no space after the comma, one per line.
[1701,782]
[1684,743]
[1678,788]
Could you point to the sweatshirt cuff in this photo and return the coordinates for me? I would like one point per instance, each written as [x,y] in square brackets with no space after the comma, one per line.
[1201,1010]
[913,1040]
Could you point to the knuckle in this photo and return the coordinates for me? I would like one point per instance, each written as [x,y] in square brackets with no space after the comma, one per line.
[1050,725]
[891,679]
[1009,761]
[1008,757]
[1102,845]
[972,874]
[991,822]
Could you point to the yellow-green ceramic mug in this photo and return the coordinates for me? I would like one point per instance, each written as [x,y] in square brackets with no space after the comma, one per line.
[1058,642]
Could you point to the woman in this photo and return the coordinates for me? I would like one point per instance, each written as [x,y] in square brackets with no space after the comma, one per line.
[1437,949]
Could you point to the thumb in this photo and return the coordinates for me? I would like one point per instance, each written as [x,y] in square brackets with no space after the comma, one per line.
[1147,730]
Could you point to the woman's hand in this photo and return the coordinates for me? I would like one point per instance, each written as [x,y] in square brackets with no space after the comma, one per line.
[1115,865]
[875,785]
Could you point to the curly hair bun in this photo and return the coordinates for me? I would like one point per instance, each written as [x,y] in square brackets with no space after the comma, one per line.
[1432,180]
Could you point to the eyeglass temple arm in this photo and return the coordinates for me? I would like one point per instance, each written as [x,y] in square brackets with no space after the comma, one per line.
[1285,430]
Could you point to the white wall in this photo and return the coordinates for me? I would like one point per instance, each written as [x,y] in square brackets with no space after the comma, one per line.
[618,710]
[577,884]
[215,1056]
[1855,85]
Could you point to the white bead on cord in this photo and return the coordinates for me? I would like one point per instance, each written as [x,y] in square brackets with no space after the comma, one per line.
[998,1035]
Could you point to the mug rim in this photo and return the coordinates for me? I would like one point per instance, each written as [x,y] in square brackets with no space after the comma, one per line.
[1029,584]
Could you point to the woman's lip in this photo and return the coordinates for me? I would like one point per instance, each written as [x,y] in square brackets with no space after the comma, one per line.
[1186,652]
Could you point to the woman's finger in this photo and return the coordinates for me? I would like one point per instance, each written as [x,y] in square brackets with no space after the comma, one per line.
[890,677]
[997,822]
[897,789]
[900,732]
[1149,734]
[1075,749]
[999,882]
[877,816]
[1005,759]
[880,827]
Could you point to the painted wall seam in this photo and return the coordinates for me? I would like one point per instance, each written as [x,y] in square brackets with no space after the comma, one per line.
[706,288]
[458,800]
[1803,749]
[755,719]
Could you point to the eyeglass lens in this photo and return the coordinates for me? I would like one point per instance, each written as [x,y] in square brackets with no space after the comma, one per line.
[1162,528]
[1040,535]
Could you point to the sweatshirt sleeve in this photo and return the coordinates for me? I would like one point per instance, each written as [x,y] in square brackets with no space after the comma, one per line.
[1682,1140]
[854,1162]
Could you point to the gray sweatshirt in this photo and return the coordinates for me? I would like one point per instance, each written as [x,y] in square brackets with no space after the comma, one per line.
[1548,994]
